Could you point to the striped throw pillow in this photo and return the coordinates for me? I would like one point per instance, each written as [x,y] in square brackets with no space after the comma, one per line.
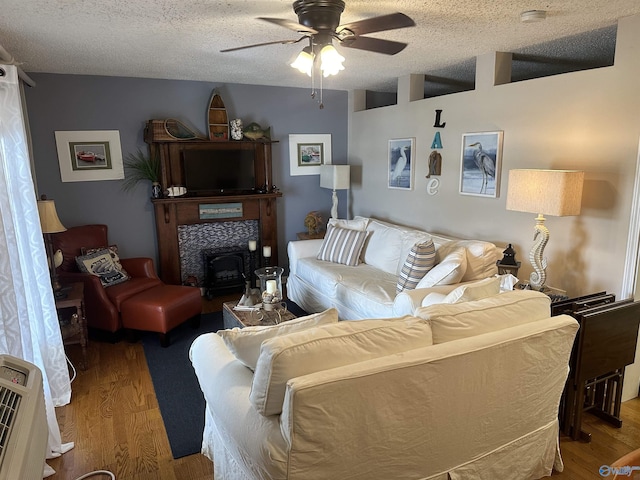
[342,245]
[420,260]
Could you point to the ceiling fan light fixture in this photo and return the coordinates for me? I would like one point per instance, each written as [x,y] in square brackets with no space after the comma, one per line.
[330,61]
[304,61]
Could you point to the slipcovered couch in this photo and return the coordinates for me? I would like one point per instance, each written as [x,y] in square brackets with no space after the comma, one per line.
[369,288]
[461,391]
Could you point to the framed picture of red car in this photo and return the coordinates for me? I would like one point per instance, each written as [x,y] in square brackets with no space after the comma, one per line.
[89,155]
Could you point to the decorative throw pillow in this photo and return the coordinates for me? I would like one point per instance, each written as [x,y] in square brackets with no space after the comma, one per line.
[113,250]
[329,346]
[474,291]
[342,245]
[245,343]
[101,264]
[420,260]
[449,271]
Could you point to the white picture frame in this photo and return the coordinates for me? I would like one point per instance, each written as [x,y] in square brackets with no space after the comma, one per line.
[89,155]
[307,152]
[401,163]
[474,180]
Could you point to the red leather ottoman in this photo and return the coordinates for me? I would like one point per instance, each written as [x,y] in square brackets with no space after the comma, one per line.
[161,309]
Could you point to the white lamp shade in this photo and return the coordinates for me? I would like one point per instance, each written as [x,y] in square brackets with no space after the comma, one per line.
[547,192]
[335,177]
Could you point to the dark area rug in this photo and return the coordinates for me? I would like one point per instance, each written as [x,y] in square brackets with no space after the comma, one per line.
[177,390]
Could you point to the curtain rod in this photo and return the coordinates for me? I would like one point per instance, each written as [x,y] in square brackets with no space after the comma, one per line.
[8,59]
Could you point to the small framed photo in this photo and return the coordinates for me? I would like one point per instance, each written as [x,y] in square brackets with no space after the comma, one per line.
[480,164]
[401,165]
[308,152]
[89,155]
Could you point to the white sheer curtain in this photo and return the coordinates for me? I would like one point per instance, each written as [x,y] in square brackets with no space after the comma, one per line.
[28,321]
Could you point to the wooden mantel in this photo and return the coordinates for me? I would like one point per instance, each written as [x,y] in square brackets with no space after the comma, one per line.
[172,212]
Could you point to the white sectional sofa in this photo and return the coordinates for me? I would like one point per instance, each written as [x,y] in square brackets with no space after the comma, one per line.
[368,290]
[462,391]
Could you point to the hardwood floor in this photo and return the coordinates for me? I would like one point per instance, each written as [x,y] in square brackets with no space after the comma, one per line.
[115,422]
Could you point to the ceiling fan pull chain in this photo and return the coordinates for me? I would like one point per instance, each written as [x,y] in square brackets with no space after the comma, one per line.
[321,106]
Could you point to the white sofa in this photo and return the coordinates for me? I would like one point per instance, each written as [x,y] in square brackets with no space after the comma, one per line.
[481,402]
[368,290]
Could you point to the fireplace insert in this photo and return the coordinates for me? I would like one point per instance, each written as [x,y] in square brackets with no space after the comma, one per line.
[224,271]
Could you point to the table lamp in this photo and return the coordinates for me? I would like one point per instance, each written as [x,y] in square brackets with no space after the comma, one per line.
[50,223]
[545,192]
[335,177]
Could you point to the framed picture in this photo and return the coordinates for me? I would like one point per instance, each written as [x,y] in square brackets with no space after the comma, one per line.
[308,152]
[480,164]
[401,164]
[89,155]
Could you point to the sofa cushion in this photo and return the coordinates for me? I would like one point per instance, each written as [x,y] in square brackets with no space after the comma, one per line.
[453,321]
[245,343]
[449,271]
[481,258]
[329,346]
[101,264]
[342,245]
[357,223]
[419,261]
[383,247]
[474,291]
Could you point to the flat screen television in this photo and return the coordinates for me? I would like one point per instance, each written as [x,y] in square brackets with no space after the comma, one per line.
[219,172]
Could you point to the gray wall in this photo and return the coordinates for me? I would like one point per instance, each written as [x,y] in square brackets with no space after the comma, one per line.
[72,102]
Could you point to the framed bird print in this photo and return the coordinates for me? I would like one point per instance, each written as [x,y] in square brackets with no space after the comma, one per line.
[480,164]
[401,164]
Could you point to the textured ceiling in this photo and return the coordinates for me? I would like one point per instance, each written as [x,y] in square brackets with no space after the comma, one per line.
[182,39]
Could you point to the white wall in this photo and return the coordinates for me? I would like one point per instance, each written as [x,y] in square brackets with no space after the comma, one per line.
[588,120]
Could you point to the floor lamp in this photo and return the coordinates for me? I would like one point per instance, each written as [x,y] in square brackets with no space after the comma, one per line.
[50,223]
[335,177]
[545,192]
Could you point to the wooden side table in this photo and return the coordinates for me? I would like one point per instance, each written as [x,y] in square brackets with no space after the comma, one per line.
[307,236]
[74,331]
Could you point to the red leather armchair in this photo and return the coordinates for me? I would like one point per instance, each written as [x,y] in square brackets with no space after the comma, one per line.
[102,305]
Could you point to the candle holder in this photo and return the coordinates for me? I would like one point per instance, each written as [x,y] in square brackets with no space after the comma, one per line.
[252,267]
[266,253]
[270,286]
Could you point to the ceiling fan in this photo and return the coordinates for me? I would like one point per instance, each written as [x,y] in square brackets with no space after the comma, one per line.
[319,21]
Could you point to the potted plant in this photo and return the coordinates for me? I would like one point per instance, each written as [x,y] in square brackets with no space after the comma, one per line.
[142,167]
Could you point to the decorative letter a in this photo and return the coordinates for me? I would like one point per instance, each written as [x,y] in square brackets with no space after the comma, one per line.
[437,142]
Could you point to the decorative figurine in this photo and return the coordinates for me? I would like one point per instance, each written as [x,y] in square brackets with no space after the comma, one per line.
[253,131]
[313,222]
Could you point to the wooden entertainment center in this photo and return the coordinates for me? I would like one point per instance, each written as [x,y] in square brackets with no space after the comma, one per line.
[171,212]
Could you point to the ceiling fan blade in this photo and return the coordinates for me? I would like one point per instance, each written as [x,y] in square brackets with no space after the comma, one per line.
[283,42]
[378,45]
[378,24]
[295,26]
